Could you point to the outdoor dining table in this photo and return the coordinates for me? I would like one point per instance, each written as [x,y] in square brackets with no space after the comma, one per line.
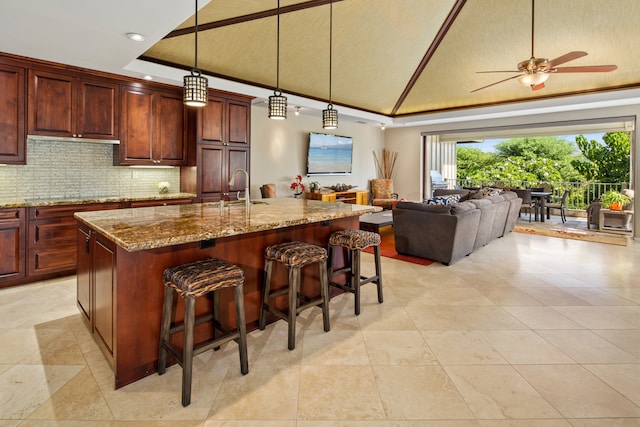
[541,201]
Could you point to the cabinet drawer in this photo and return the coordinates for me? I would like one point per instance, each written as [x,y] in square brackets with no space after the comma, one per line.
[12,214]
[45,261]
[52,233]
[147,203]
[67,211]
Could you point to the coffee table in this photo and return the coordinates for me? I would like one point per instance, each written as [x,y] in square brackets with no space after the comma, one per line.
[373,222]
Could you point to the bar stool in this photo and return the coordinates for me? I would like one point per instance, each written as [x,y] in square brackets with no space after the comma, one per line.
[191,281]
[354,241]
[294,256]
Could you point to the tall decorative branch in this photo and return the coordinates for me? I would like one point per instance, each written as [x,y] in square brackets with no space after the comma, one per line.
[388,163]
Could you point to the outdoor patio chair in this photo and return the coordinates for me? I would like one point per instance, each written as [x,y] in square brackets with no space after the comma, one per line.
[559,203]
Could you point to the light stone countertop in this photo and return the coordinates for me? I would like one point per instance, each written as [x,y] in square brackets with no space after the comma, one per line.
[155,227]
[57,201]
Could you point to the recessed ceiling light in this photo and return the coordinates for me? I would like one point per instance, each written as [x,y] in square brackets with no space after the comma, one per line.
[137,37]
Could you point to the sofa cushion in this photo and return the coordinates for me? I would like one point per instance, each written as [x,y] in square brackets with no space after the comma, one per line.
[448,199]
[417,206]
[464,194]
[458,208]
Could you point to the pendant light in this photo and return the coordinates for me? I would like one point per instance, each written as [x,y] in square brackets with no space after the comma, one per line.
[195,85]
[277,102]
[330,115]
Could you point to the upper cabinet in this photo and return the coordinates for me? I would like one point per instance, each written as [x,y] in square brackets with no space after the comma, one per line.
[72,105]
[152,127]
[12,113]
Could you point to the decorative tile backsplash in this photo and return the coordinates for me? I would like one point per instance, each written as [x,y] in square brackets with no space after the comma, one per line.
[79,169]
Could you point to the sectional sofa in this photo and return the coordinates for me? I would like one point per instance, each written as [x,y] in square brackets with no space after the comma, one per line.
[451,231]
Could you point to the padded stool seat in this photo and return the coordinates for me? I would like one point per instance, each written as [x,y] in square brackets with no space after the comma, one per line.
[294,256]
[190,281]
[355,241]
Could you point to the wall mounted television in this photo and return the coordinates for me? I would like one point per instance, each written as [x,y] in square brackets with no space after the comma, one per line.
[329,154]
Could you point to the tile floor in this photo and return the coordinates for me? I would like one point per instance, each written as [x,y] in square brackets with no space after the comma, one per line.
[528,331]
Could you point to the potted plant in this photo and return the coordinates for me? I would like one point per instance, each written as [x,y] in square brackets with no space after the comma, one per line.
[614,200]
[314,186]
[297,186]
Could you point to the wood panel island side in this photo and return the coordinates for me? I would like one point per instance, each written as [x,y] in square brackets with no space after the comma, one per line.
[123,253]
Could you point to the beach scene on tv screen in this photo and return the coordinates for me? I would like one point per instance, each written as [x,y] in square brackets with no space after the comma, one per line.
[329,154]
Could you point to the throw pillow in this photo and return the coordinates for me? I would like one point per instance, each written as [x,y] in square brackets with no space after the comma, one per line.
[490,191]
[446,200]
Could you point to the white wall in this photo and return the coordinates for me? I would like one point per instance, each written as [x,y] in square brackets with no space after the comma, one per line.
[279,151]
[408,143]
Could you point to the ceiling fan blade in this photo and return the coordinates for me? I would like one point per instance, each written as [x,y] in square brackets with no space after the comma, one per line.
[498,71]
[537,87]
[566,58]
[586,69]
[498,82]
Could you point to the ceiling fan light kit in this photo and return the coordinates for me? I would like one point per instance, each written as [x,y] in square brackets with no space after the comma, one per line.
[535,71]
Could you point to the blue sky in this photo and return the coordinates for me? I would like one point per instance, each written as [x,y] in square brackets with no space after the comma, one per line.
[489,144]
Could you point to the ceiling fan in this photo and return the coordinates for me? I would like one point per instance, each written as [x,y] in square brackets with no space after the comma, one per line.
[534,71]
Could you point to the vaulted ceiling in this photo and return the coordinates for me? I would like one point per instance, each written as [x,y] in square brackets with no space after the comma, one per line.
[405,57]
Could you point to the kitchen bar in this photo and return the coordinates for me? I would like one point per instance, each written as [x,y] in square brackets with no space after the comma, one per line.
[122,254]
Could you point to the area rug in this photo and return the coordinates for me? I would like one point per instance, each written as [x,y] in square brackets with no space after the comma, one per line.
[574,234]
[388,248]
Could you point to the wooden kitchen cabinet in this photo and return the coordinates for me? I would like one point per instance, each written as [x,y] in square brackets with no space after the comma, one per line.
[52,240]
[12,114]
[153,130]
[72,105]
[12,243]
[221,131]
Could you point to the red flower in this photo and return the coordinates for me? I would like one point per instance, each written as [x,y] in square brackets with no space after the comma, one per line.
[297,185]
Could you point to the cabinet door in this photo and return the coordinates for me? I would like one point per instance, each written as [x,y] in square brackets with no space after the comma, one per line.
[239,122]
[136,133]
[170,147]
[104,262]
[12,244]
[211,122]
[12,110]
[211,171]
[237,158]
[83,274]
[98,106]
[51,109]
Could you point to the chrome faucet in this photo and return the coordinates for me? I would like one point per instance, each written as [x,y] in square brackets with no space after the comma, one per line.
[246,186]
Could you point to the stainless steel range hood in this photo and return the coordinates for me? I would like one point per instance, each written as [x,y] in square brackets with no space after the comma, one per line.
[72,139]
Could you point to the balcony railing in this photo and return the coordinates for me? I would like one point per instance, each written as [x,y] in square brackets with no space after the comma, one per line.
[580,193]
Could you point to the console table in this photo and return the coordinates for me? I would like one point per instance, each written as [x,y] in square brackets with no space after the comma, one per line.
[357,197]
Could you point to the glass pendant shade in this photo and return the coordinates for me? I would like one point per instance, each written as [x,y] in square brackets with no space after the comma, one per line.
[533,78]
[330,118]
[277,106]
[195,89]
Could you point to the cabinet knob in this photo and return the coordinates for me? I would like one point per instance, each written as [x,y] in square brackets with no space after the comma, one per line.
[79,135]
[74,135]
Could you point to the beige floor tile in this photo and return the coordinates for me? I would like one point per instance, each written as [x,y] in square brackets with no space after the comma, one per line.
[435,423]
[265,393]
[419,393]
[63,350]
[338,393]
[629,314]
[586,347]
[397,348]
[631,294]
[244,423]
[542,318]
[269,347]
[334,348]
[18,344]
[628,340]
[385,317]
[510,296]
[577,393]
[113,423]
[524,347]
[462,348]
[78,399]
[608,422]
[599,296]
[553,296]
[23,388]
[623,378]
[499,392]
[525,423]
[462,318]
[595,317]
[443,296]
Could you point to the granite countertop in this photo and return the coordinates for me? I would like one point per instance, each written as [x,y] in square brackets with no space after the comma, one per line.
[55,201]
[155,227]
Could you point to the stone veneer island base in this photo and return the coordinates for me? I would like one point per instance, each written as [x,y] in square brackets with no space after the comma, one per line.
[122,255]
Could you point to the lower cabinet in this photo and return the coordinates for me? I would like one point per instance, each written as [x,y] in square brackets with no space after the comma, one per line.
[12,243]
[96,286]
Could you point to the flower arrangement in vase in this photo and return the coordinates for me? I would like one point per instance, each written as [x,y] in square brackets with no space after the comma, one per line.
[297,186]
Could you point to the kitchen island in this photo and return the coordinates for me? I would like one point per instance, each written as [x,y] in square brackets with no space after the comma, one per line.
[122,254]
